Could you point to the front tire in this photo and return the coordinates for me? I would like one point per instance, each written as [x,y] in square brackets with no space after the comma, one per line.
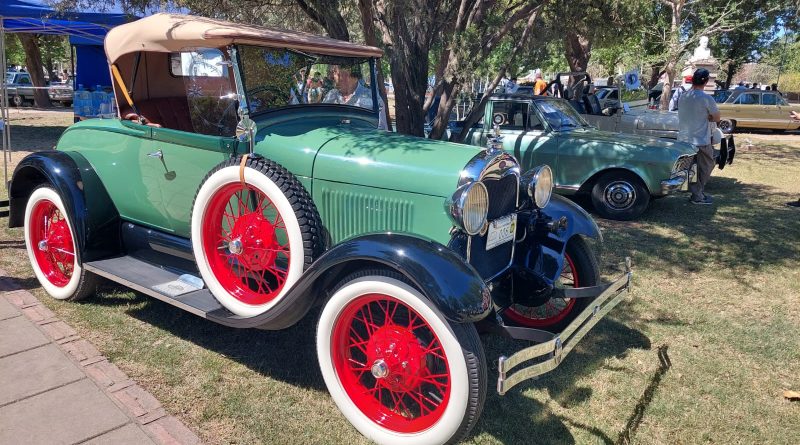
[18,100]
[726,126]
[52,248]
[580,270]
[253,241]
[395,367]
[620,195]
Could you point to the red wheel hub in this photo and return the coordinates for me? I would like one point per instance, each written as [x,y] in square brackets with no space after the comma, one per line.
[391,363]
[554,310]
[258,243]
[397,358]
[246,243]
[52,244]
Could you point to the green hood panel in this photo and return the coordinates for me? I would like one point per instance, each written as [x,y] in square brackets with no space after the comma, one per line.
[374,158]
[643,147]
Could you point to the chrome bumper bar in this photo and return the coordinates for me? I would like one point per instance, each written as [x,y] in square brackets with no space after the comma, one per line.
[679,181]
[562,344]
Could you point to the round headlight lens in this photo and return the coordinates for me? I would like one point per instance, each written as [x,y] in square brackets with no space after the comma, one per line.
[543,189]
[474,208]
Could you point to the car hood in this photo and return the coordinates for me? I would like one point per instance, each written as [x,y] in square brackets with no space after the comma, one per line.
[655,120]
[374,158]
[633,143]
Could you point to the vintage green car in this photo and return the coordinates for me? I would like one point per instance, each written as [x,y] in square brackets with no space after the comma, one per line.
[620,172]
[246,181]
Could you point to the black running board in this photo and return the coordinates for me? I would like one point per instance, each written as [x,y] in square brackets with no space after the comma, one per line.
[142,276]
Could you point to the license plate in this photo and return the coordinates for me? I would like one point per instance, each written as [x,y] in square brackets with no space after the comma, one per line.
[501,231]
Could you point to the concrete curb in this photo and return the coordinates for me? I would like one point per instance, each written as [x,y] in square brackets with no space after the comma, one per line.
[139,405]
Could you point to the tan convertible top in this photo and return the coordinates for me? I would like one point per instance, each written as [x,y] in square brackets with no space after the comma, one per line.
[174,32]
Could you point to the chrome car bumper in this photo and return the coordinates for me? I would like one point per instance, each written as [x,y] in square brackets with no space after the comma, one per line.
[679,181]
[562,344]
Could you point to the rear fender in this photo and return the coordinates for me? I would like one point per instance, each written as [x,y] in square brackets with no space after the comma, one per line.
[90,210]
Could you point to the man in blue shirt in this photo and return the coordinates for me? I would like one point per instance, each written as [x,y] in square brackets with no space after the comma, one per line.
[695,116]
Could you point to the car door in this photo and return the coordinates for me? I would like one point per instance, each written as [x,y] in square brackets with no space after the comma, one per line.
[747,110]
[536,144]
[778,116]
[196,135]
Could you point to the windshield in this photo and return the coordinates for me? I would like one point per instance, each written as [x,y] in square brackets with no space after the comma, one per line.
[560,114]
[276,78]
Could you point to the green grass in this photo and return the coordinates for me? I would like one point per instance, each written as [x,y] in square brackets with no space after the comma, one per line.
[718,287]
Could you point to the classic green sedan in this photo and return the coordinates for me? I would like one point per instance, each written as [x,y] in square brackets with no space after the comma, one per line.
[620,172]
[246,180]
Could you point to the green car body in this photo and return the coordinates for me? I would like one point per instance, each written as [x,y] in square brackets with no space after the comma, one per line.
[249,204]
[580,156]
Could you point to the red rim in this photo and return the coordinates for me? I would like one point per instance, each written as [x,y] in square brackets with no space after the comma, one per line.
[391,363]
[246,243]
[51,242]
[552,312]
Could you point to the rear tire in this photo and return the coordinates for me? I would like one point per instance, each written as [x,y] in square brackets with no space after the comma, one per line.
[17,100]
[52,247]
[726,126]
[620,195]
[395,367]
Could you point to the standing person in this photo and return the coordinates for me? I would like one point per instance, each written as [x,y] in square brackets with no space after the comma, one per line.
[511,86]
[695,115]
[539,85]
[740,86]
[673,101]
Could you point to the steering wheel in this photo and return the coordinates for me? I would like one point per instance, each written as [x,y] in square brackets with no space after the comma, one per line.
[277,92]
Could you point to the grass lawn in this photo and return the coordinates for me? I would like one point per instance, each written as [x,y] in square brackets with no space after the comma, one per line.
[700,353]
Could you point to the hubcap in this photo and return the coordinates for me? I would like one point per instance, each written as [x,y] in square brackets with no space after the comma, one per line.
[620,195]
[379,369]
[43,245]
[235,246]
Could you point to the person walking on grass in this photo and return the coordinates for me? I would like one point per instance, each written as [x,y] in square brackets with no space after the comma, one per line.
[695,115]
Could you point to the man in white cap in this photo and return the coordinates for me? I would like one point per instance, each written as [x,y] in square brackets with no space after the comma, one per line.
[539,86]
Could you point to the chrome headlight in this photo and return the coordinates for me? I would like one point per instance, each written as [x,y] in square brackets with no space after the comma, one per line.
[468,207]
[537,183]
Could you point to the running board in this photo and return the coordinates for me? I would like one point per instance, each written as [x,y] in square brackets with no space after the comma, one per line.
[143,277]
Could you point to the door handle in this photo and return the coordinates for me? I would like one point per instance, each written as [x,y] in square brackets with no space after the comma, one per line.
[156,154]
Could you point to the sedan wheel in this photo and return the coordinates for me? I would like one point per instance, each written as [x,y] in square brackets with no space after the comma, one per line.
[620,195]
[396,368]
[726,126]
[18,100]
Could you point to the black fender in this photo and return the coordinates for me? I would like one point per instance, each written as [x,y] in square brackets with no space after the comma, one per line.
[439,273]
[90,210]
[547,232]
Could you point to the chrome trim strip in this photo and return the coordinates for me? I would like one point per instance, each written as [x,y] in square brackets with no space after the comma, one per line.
[562,344]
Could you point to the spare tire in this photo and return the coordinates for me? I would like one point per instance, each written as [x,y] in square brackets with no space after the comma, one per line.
[253,239]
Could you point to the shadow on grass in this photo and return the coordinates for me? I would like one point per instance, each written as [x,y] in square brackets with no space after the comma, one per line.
[35,138]
[531,418]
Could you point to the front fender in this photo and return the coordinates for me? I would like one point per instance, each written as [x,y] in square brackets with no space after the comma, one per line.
[90,210]
[542,250]
[439,273]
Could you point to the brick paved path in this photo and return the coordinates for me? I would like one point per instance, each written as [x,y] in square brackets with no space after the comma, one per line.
[56,388]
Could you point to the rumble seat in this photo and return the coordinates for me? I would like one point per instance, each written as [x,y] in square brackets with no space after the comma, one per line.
[167,112]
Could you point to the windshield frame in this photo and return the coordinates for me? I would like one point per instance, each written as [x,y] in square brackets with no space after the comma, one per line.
[538,103]
[241,81]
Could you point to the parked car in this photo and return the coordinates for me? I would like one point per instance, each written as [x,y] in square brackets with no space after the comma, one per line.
[223,191]
[61,92]
[19,87]
[620,172]
[755,109]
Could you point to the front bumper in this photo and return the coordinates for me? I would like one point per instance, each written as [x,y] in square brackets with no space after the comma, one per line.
[560,345]
[679,181]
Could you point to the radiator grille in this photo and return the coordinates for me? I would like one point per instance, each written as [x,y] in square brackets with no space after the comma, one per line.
[502,196]
[348,214]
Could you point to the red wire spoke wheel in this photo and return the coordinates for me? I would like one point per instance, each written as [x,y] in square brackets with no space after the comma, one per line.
[580,269]
[391,363]
[554,310]
[51,247]
[252,239]
[246,243]
[396,368]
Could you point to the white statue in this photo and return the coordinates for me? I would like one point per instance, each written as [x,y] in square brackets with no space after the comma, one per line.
[702,52]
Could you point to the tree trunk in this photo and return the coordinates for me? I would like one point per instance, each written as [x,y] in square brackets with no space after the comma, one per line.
[666,92]
[33,60]
[655,74]
[326,13]
[577,50]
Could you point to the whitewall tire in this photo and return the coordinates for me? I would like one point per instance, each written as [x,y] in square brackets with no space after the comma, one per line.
[425,378]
